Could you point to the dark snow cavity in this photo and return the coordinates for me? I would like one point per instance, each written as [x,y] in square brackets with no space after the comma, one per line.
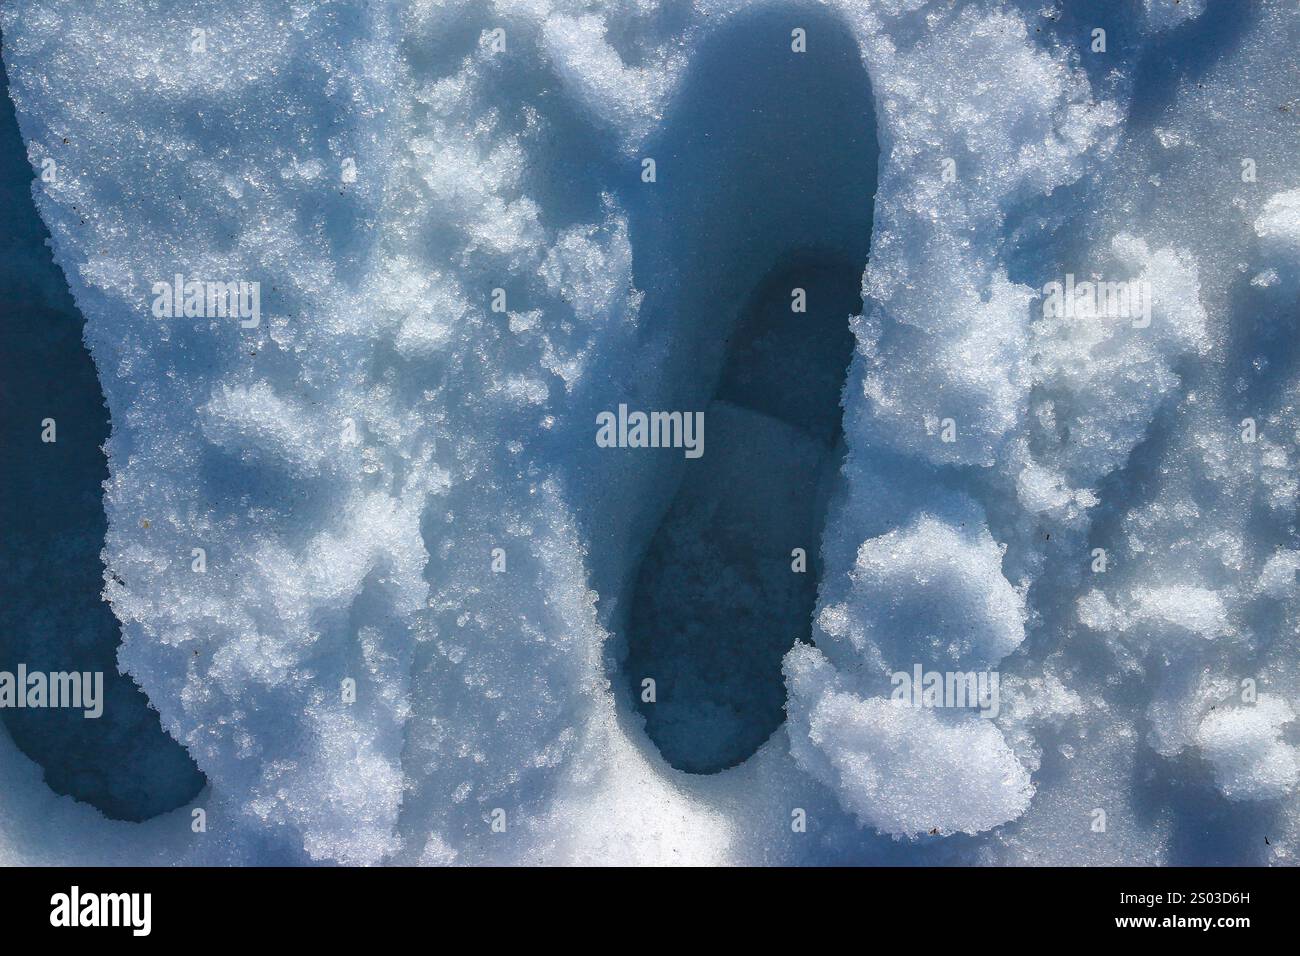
[52,525]
[766,177]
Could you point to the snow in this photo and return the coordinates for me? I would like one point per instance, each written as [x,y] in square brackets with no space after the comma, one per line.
[902,770]
[1244,746]
[394,481]
[931,590]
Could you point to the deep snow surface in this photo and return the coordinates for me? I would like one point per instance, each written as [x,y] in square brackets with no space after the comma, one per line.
[396,484]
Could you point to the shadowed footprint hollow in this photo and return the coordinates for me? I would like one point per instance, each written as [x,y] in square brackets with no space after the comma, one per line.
[766,258]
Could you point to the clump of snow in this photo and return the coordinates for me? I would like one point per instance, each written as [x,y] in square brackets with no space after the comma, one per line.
[902,770]
[1160,15]
[626,96]
[932,593]
[996,119]
[253,421]
[1180,609]
[1101,378]
[1278,229]
[1278,577]
[1251,762]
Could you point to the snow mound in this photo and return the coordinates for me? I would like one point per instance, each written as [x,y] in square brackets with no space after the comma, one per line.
[902,770]
[932,593]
